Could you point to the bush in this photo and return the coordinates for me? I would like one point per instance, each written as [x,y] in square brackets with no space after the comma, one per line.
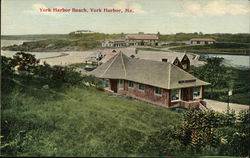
[206,130]
[24,61]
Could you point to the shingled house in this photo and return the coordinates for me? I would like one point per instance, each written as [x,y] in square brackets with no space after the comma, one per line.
[142,40]
[160,83]
[181,61]
[132,40]
[114,43]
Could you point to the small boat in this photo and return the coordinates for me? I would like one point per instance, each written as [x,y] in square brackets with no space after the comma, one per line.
[90,67]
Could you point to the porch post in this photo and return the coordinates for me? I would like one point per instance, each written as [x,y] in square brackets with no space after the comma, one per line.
[202,92]
[169,96]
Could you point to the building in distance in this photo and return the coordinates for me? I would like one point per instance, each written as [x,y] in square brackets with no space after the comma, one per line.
[195,41]
[132,40]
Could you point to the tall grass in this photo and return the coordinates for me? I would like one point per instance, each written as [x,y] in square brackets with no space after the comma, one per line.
[78,121]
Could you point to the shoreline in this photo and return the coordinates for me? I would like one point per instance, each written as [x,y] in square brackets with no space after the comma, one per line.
[61,55]
[222,53]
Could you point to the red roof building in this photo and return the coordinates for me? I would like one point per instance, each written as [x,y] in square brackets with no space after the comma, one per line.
[141,37]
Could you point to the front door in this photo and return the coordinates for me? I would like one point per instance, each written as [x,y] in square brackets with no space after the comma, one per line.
[113,85]
[185,94]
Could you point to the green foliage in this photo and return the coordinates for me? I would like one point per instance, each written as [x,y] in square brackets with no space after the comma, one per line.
[228,48]
[223,131]
[72,41]
[77,121]
[77,65]
[240,38]
[162,143]
[24,61]
[69,119]
[212,72]
[7,73]
[6,68]
[223,78]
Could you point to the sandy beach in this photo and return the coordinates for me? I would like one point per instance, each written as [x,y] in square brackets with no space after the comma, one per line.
[69,58]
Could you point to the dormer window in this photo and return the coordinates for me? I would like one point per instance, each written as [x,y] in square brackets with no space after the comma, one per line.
[184,66]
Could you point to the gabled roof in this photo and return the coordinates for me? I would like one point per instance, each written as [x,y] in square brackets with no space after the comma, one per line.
[144,37]
[159,74]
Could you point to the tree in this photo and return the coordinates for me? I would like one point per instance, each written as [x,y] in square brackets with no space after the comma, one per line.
[24,61]
[213,72]
[6,73]
[6,68]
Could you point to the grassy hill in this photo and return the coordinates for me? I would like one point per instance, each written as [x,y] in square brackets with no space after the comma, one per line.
[226,48]
[48,111]
[59,42]
[80,42]
[238,38]
[78,121]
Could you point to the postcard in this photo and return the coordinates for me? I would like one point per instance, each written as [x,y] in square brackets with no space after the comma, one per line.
[125,78]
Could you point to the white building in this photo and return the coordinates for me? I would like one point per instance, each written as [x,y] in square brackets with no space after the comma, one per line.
[195,41]
[132,40]
[114,43]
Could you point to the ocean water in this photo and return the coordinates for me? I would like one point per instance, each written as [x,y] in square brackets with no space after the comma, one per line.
[240,61]
[38,55]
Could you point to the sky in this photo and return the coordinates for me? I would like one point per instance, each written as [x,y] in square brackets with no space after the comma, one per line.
[20,17]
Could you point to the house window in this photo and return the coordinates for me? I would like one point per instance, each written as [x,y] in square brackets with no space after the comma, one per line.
[175,94]
[141,86]
[121,84]
[184,66]
[131,84]
[158,90]
[105,83]
[197,92]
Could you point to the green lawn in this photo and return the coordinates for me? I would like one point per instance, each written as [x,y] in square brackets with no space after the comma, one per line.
[224,48]
[78,122]
[220,157]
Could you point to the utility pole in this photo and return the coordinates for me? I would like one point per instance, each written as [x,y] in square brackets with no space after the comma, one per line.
[230,92]
[228,101]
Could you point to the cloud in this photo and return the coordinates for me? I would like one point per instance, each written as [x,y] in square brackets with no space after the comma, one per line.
[212,8]
[122,4]
[36,10]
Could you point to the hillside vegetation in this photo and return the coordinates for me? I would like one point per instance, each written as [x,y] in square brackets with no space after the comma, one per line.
[79,42]
[223,78]
[51,111]
[227,48]
[78,122]
[50,43]
[238,38]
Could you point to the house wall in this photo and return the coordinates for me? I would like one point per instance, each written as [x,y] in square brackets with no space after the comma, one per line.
[139,42]
[187,105]
[201,42]
[147,95]
[187,100]
[163,100]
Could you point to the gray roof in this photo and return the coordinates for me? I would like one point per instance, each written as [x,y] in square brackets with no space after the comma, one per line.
[159,74]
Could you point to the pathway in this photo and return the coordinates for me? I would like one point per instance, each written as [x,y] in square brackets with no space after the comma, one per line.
[222,106]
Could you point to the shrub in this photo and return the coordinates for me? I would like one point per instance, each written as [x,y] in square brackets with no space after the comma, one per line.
[24,61]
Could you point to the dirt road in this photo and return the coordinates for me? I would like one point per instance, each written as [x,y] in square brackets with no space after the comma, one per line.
[222,106]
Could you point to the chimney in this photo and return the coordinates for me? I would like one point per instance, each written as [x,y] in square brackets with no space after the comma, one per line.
[164,60]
